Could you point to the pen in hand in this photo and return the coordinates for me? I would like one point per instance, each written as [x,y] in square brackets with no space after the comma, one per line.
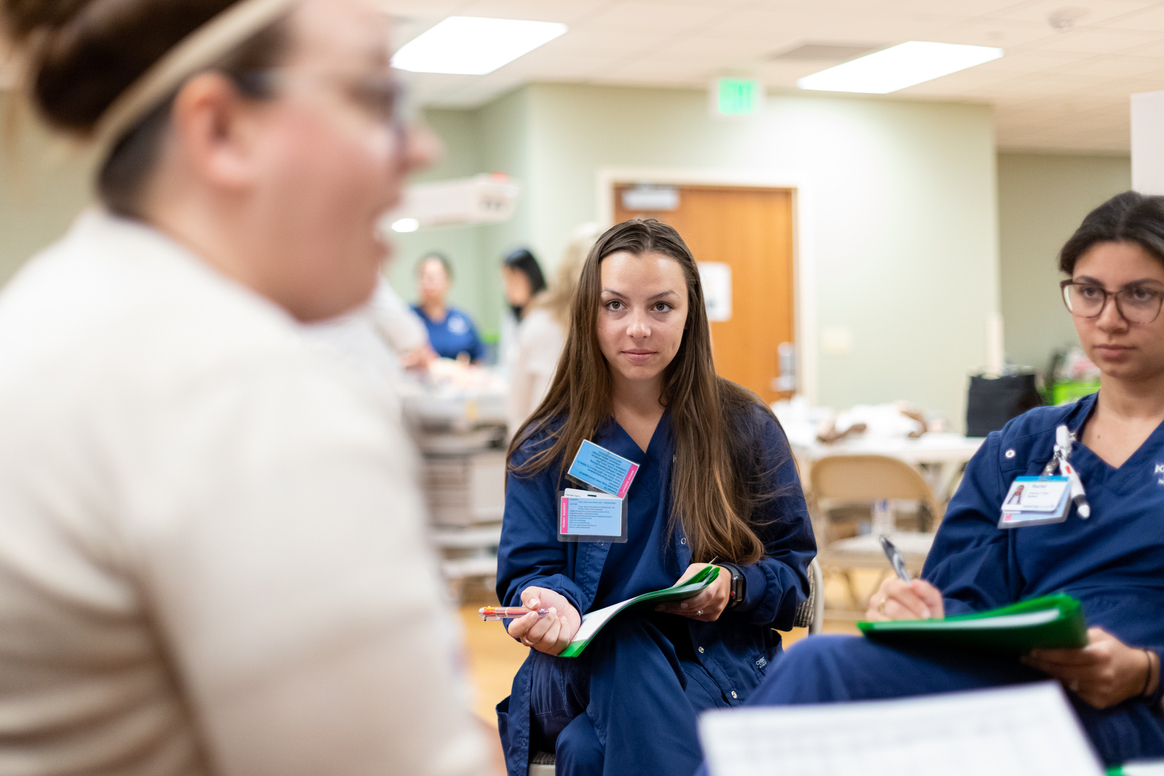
[508,612]
[895,559]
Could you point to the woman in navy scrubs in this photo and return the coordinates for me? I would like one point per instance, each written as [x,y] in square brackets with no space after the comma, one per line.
[450,331]
[716,484]
[1112,561]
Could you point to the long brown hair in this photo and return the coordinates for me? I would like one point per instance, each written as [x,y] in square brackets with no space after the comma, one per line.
[715,479]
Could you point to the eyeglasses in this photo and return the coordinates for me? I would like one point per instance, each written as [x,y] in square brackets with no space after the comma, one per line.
[1135,303]
[382,97]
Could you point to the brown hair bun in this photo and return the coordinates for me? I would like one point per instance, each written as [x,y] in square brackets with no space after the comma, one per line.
[84,53]
[22,17]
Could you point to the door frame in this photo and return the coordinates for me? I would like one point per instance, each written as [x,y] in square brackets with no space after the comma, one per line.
[803,249]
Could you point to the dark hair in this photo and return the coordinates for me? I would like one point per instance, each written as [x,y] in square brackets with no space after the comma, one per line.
[1128,217]
[83,54]
[435,256]
[717,478]
[524,261]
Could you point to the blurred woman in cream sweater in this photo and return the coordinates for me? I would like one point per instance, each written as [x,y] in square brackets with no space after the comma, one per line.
[542,332]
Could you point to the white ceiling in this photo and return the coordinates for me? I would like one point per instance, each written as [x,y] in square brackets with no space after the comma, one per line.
[1053,90]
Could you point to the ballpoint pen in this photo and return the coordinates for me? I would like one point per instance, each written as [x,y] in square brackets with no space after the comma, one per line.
[508,612]
[895,559]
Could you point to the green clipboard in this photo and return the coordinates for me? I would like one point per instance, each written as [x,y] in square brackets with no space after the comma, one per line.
[593,622]
[1054,622]
[1140,768]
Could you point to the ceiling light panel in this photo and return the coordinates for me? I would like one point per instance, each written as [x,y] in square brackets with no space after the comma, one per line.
[898,67]
[472,45]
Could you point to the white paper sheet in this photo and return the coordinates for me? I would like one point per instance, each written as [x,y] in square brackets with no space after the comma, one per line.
[1021,731]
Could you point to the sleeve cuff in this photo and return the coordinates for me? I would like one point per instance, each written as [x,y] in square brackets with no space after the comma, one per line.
[559,583]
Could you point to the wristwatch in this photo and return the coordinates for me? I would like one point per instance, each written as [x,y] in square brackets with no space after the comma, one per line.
[739,585]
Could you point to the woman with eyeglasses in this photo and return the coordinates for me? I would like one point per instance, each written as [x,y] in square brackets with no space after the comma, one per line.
[1108,552]
[212,553]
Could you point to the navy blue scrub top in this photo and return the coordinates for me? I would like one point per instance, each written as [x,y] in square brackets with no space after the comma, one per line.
[452,336]
[1113,562]
[595,574]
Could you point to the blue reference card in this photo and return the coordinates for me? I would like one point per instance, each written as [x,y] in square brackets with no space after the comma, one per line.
[598,467]
[586,516]
[1036,501]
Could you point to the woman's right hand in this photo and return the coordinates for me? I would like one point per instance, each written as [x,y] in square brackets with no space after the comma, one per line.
[549,634]
[897,600]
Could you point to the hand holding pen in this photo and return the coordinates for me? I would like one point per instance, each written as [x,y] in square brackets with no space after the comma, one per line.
[549,632]
[901,598]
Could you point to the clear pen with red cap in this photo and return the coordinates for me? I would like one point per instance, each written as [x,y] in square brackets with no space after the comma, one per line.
[509,612]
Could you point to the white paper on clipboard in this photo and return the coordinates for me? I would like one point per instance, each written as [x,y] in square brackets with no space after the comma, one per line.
[1027,730]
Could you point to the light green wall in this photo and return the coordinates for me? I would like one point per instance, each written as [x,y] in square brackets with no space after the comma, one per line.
[902,228]
[493,138]
[1042,199]
[42,189]
[461,157]
[901,195]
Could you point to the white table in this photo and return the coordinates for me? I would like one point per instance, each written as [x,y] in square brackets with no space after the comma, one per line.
[940,456]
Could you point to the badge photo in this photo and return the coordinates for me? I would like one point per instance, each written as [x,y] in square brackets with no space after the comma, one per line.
[1036,501]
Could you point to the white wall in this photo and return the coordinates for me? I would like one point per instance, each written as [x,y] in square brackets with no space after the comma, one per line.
[1042,199]
[903,223]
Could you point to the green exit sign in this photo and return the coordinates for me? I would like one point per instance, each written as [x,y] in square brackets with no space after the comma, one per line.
[738,96]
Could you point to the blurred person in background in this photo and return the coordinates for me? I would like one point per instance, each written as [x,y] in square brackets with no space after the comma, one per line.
[522,280]
[211,554]
[451,332]
[542,332]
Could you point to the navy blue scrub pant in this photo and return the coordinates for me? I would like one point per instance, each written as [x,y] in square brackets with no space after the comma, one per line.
[628,705]
[824,669]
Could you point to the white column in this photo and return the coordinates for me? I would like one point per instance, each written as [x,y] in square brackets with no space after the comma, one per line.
[1148,142]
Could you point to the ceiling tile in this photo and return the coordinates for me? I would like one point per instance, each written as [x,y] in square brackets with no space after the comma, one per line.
[633,16]
[585,41]
[856,26]
[1047,85]
[950,7]
[716,51]
[1147,20]
[423,9]
[1113,66]
[1002,33]
[1153,49]
[535,10]
[1093,40]
[1079,13]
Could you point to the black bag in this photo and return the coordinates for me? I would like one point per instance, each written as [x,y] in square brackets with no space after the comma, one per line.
[995,400]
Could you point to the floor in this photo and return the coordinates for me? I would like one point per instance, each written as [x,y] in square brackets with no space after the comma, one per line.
[494,657]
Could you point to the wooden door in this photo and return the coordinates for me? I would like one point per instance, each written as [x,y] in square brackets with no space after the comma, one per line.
[750,230]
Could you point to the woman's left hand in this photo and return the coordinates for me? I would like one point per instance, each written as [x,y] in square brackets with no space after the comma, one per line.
[1103,673]
[711,601]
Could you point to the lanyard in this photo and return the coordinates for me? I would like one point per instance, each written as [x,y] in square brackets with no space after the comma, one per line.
[1064,438]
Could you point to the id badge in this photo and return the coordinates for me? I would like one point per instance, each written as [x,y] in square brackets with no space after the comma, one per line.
[599,468]
[1036,501]
[586,516]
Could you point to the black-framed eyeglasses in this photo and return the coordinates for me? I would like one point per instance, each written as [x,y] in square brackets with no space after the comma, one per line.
[1136,303]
